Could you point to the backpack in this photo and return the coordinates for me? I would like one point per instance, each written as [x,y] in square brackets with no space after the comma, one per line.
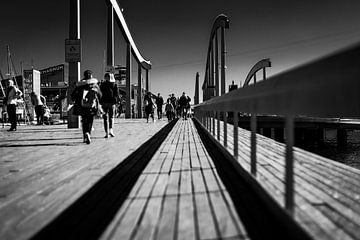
[89,99]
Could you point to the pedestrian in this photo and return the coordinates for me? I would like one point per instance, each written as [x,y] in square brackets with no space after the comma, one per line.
[149,106]
[159,103]
[110,95]
[86,98]
[173,101]
[39,102]
[184,103]
[169,110]
[11,98]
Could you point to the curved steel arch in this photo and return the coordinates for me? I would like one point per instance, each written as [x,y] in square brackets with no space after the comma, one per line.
[221,21]
[258,66]
[146,64]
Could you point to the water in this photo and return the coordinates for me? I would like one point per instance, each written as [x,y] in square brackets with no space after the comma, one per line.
[349,155]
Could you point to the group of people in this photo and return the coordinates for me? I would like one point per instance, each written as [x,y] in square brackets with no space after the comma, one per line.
[174,107]
[90,99]
[12,97]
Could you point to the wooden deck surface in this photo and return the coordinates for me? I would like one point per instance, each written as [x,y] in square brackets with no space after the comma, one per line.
[178,196]
[44,169]
[327,193]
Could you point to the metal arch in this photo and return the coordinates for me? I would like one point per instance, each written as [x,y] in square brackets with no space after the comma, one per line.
[258,66]
[220,21]
[146,64]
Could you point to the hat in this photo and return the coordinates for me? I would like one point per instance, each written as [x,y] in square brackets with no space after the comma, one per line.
[91,81]
[87,81]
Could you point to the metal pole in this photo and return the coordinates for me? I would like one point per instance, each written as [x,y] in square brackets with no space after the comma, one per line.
[128,82]
[74,67]
[212,68]
[110,37]
[217,87]
[289,165]
[253,144]
[139,93]
[218,125]
[213,122]
[222,60]
[147,80]
[225,129]
[236,135]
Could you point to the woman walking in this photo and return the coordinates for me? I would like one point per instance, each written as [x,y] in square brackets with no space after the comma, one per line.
[110,96]
[86,97]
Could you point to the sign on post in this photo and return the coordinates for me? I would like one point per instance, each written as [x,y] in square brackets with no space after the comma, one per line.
[72,50]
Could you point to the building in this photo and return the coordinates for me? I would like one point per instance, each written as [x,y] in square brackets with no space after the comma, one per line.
[54,83]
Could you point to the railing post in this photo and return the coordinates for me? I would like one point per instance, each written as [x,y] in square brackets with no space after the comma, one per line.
[225,129]
[147,80]
[218,125]
[253,144]
[236,134]
[289,165]
[213,122]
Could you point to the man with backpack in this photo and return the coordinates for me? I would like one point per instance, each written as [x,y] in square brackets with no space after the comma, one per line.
[86,98]
[110,95]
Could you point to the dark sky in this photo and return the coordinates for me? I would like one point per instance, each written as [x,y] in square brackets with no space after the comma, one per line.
[174,35]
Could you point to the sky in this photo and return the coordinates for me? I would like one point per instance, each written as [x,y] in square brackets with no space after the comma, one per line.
[174,35]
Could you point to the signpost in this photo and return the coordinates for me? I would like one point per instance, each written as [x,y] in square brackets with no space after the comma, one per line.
[72,50]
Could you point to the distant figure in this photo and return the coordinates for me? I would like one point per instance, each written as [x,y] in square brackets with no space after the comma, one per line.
[149,106]
[110,95]
[173,102]
[184,103]
[12,95]
[86,97]
[39,102]
[159,103]
[169,110]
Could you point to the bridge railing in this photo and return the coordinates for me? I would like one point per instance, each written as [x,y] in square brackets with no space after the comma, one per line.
[328,87]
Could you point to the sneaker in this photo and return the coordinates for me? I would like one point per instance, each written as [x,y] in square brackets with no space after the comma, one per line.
[111,133]
[87,138]
[11,129]
[106,136]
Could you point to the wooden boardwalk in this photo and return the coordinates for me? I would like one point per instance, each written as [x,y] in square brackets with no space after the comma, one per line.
[178,196]
[44,169]
[327,193]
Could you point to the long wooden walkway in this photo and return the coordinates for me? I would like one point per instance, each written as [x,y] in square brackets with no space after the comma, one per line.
[52,182]
[178,196]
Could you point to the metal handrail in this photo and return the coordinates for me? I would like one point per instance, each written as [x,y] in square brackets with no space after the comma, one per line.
[146,64]
[327,87]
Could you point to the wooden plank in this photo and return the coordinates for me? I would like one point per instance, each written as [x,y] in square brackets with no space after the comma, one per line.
[205,217]
[186,223]
[166,227]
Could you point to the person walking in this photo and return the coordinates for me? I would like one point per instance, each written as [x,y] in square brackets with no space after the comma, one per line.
[169,110]
[39,102]
[159,104]
[184,103]
[110,95]
[149,106]
[11,97]
[86,97]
